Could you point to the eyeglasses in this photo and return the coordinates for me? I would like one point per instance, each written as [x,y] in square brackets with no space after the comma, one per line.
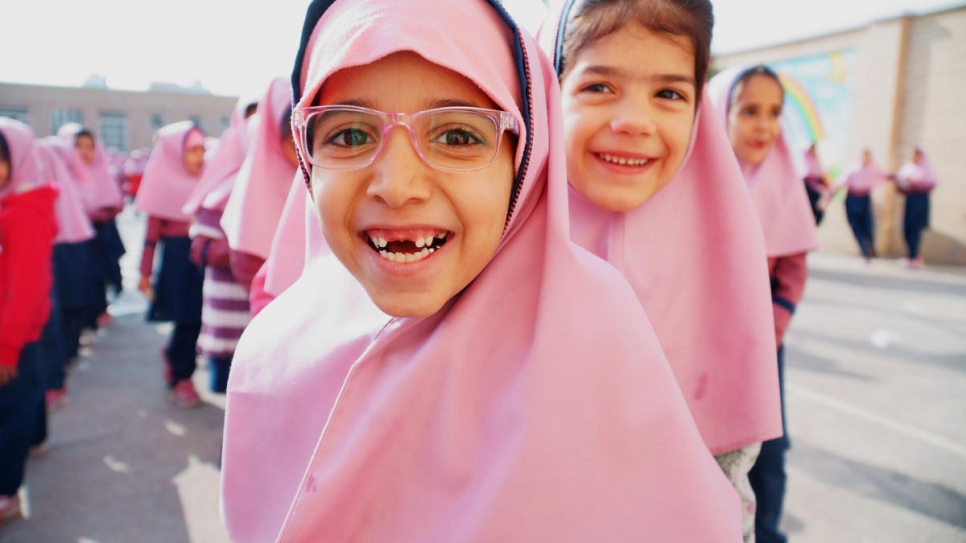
[457,139]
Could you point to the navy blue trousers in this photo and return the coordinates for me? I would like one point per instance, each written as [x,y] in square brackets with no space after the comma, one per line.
[22,420]
[858,209]
[916,220]
[768,475]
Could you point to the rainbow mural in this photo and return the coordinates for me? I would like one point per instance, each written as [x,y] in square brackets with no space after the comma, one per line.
[818,106]
[798,99]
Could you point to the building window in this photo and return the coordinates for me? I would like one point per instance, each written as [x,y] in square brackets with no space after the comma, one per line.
[15,113]
[60,117]
[113,130]
[225,123]
[157,121]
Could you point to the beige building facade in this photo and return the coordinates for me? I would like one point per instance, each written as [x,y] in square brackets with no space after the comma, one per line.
[125,120]
[909,76]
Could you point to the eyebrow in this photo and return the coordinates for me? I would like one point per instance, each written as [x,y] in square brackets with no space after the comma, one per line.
[609,71]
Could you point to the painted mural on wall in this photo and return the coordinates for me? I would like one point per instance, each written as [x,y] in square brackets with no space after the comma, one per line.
[818,106]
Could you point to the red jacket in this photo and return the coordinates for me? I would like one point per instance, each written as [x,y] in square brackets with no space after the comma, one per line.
[27,229]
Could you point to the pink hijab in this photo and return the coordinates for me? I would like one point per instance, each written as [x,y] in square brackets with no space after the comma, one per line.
[214,188]
[776,188]
[98,188]
[918,176]
[256,201]
[73,224]
[288,255]
[166,184]
[535,406]
[695,256]
[25,172]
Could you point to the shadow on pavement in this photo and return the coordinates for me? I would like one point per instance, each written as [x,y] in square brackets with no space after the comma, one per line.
[934,500]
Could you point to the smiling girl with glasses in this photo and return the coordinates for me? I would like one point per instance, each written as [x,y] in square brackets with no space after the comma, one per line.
[454,369]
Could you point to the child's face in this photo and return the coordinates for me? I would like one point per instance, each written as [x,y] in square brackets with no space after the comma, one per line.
[629,103]
[399,201]
[194,159]
[4,173]
[85,148]
[754,119]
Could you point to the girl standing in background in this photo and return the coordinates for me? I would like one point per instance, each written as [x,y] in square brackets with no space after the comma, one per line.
[172,172]
[916,180]
[27,230]
[750,101]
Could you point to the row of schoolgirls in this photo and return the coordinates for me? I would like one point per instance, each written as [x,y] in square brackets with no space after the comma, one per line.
[915,180]
[59,251]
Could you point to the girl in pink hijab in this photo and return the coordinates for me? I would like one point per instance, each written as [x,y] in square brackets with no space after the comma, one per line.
[750,101]
[74,284]
[916,180]
[655,190]
[456,369]
[862,178]
[27,230]
[172,172]
[103,200]
[252,212]
[224,311]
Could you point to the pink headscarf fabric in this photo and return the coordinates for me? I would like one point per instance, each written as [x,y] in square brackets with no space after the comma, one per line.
[256,201]
[917,176]
[215,186]
[25,172]
[776,188]
[534,406]
[98,188]
[166,184]
[703,281]
[73,224]
[288,255]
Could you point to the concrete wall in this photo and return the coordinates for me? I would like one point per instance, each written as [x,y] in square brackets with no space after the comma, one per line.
[139,107]
[909,76]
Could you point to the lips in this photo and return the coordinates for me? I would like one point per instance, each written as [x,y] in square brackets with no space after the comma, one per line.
[405,246]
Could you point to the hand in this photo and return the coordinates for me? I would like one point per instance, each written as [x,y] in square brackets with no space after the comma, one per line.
[7,374]
[145,287]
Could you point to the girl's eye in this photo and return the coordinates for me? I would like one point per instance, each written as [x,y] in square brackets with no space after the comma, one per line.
[458,137]
[350,137]
[596,88]
[670,94]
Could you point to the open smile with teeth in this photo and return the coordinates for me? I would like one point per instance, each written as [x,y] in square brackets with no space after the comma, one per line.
[623,161]
[406,247]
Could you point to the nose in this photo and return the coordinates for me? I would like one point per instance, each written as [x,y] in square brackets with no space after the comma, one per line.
[633,118]
[400,175]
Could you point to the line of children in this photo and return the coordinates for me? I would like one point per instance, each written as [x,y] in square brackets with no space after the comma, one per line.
[456,369]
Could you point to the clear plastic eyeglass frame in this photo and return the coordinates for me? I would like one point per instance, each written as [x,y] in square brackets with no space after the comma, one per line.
[302,117]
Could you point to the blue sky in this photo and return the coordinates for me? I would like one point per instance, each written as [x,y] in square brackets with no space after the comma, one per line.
[136,42]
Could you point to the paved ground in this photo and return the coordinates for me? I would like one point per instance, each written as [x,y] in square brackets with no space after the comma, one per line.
[876,401]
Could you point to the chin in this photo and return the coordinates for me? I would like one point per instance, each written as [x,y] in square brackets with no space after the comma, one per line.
[618,200]
[404,307]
